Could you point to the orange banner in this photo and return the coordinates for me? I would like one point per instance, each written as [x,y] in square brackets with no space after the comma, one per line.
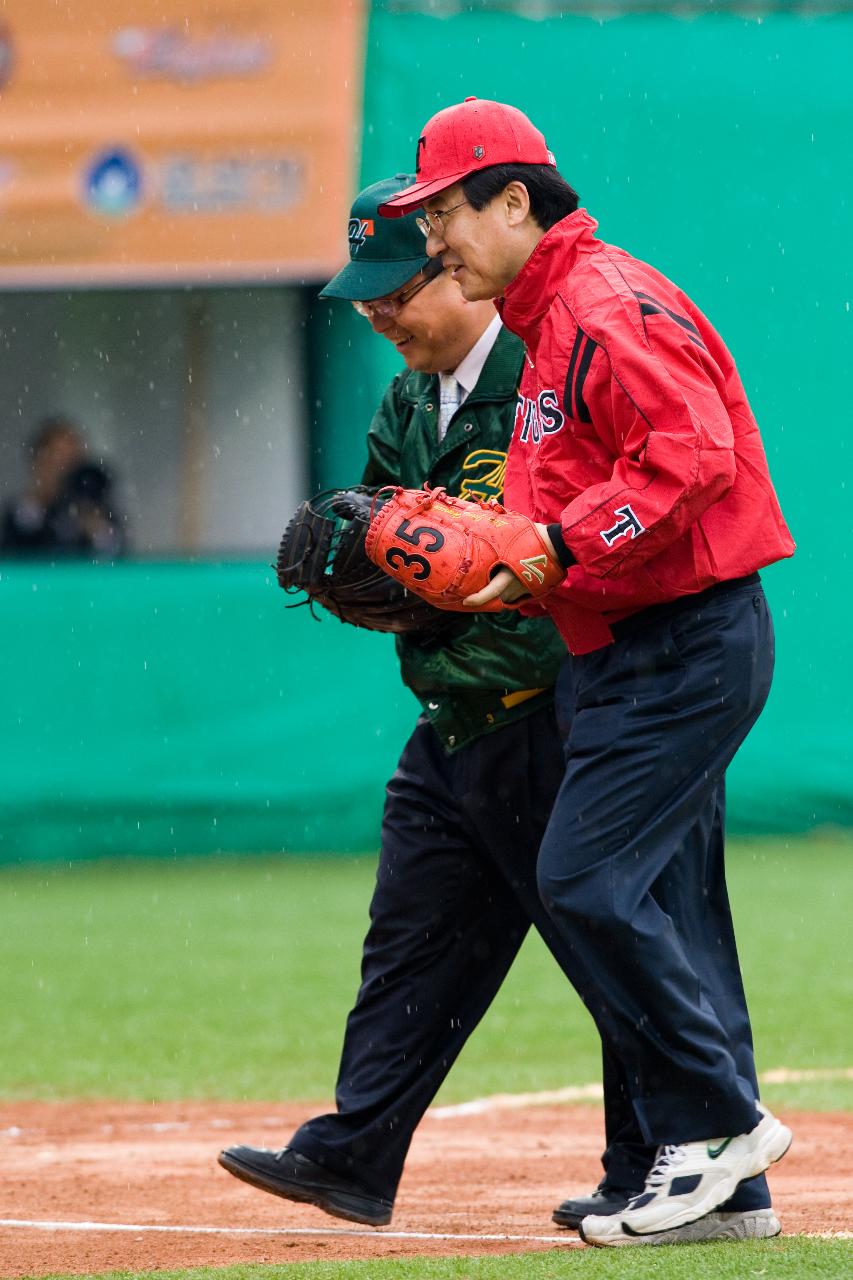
[176,141]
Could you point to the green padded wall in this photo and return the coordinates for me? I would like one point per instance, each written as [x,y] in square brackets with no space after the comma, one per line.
[169,709]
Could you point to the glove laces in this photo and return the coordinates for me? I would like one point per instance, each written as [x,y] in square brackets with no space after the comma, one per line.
[428,495]
[440,494]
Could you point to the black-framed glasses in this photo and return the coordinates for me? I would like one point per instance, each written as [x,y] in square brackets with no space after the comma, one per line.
[435,221]
[393,306]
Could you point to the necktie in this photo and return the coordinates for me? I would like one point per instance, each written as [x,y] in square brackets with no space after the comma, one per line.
[450,397]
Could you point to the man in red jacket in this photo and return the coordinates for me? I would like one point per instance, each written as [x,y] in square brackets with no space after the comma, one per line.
[636,452]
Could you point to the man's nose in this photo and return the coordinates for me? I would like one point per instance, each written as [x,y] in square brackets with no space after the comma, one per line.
[435,244]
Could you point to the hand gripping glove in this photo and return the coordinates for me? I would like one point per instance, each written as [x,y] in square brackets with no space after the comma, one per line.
[322,554]
[447,548]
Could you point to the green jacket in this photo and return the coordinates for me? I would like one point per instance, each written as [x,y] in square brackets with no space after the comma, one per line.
[466,680]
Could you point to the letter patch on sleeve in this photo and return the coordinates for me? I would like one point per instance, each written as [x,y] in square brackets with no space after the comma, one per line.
[628,525]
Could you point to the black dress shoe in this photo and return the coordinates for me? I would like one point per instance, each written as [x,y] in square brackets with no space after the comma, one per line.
[604,1201]
[291,1175]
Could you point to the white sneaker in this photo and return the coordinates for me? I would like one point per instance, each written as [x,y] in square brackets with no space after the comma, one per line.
[757,1224]
[690,1180]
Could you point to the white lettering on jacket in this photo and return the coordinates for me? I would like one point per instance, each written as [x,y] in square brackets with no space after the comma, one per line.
[535,419]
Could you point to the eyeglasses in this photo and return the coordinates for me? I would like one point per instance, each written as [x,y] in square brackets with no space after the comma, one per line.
[393,306]
[435,221]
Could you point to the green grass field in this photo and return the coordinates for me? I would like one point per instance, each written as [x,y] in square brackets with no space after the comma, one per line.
[775,1259]
[231,979]
[144,972]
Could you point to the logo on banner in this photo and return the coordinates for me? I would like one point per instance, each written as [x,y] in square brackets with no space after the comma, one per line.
[170,53]
[229,183]
[359,230]
[629,525]
[114,183]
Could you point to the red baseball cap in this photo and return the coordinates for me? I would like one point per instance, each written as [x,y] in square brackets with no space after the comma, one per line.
[459,140]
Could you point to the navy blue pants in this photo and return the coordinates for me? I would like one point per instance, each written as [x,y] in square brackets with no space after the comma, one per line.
[455,896]
[456,892]
[631,866]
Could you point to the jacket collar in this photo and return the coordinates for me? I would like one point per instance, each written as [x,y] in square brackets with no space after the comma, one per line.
[501,372]
[529,296]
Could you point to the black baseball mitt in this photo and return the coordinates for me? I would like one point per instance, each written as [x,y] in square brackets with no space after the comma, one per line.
[322,553]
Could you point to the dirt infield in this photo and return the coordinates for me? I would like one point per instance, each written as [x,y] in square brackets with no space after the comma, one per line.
[501,1173]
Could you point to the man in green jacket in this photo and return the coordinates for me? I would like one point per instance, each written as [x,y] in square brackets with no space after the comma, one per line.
[456,883]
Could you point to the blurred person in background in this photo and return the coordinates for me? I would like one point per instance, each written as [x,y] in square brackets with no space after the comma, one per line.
[67,509]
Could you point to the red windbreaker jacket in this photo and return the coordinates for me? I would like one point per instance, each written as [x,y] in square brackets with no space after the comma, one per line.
[632,431]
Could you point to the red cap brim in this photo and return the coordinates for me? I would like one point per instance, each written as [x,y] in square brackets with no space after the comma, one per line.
[413,197]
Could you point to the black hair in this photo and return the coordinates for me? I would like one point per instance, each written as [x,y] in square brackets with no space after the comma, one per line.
[551,197]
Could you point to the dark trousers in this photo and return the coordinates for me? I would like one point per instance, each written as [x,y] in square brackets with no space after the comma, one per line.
[631,866]
[455,896]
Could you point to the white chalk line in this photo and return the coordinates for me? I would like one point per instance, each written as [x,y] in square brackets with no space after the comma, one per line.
[594,1093]
[785,1075]
[518,1101]
[38,1225]
[158,1228]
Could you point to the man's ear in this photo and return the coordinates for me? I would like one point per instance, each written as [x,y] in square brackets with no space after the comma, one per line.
[516,202]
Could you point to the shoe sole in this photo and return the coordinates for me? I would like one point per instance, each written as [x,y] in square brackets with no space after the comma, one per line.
[774,1147]
[569,1220]
[760,1224]
[336,1203]
[572,1221]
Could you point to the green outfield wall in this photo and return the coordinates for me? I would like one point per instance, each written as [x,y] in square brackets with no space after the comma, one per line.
[171,709]
[164,709]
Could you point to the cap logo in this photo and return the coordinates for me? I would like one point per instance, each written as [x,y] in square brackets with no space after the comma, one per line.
[359,230]
[421,146]
[479,152]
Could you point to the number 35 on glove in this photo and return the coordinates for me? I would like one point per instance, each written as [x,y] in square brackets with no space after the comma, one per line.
[446,549]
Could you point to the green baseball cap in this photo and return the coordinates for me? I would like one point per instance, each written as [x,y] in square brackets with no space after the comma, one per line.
[384,253]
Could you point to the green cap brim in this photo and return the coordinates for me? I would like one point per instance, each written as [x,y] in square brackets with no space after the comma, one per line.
[360,281]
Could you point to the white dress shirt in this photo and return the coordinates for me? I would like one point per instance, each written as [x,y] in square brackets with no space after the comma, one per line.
[455,387]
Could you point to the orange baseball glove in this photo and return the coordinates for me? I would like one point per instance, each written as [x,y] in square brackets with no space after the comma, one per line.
[445,548]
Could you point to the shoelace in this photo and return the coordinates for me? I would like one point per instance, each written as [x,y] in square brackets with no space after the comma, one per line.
[665,1160]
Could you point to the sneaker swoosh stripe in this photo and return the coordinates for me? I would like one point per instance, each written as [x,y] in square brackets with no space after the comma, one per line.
[713,1152]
